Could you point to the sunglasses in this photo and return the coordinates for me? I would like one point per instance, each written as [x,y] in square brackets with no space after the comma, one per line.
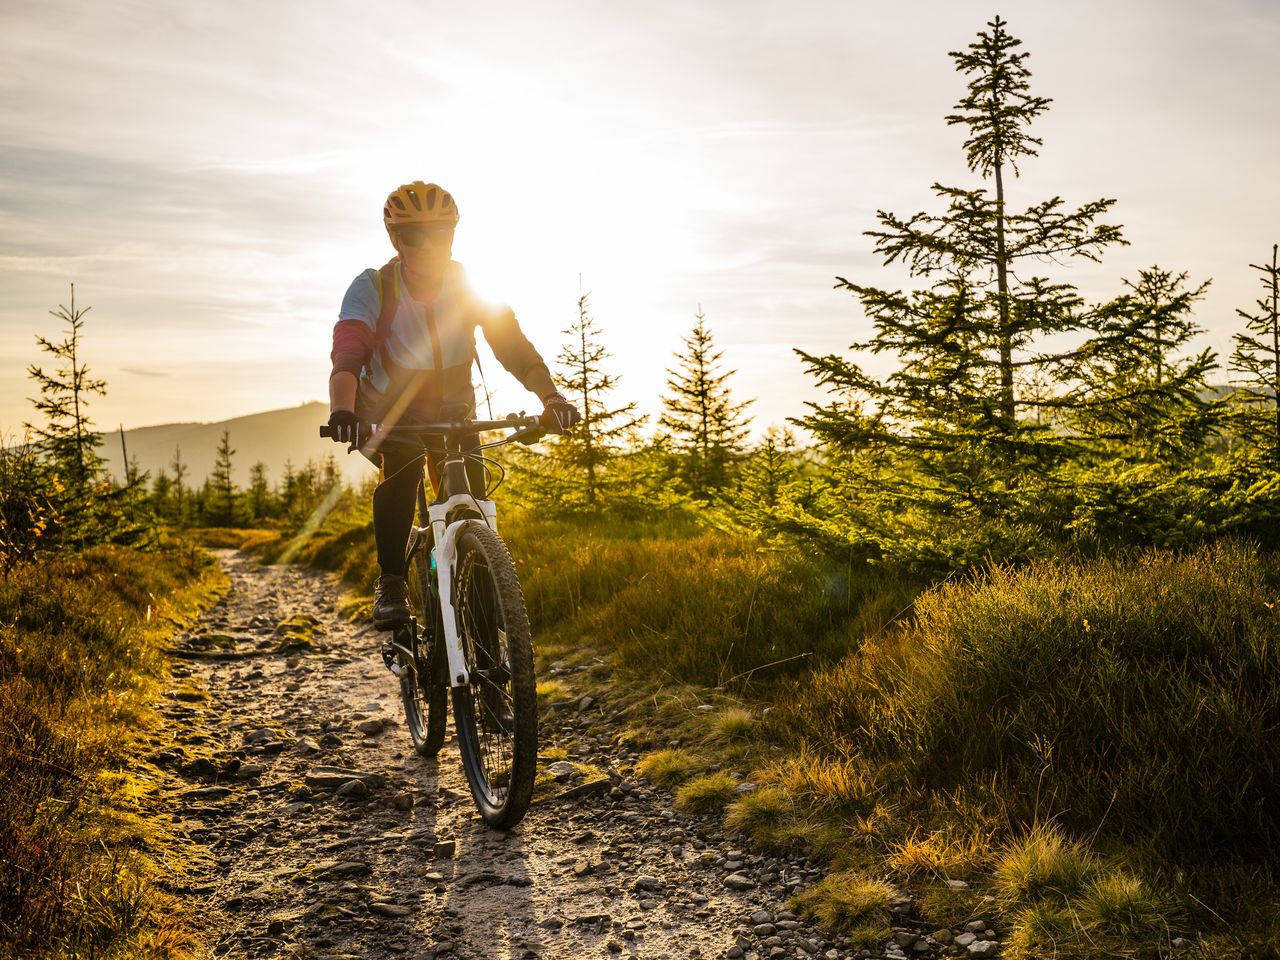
[414,237]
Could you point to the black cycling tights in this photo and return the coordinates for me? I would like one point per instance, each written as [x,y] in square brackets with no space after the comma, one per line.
[395,498]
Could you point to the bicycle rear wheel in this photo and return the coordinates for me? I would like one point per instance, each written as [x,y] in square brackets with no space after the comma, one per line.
[424,675]
[496,712]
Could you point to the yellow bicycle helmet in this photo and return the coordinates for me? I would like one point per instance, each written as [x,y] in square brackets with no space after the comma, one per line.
[419,202]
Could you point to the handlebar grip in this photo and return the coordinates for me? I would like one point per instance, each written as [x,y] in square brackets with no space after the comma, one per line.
[326,431]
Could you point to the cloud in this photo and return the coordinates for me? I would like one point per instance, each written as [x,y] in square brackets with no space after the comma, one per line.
[144,372]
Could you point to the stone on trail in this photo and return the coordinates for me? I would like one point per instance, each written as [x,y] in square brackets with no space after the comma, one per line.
[393,910]
[586,789]
[984,948]
[371,726]
[444,849]
[561,769]
[331,778]
[353,790]
[305,745]
[739,881]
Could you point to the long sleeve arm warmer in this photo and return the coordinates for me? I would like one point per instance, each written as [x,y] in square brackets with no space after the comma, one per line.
[352,346]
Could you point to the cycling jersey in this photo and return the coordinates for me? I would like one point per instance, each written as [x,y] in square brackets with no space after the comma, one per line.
[422,358]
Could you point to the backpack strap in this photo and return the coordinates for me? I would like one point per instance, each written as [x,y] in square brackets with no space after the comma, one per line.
[388,303]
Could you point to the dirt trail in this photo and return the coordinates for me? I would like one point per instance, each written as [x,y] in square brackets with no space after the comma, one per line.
[387,857]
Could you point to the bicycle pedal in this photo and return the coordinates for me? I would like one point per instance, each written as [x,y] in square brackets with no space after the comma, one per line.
[389,657]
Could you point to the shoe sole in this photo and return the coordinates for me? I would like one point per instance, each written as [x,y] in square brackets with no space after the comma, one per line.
[391,622]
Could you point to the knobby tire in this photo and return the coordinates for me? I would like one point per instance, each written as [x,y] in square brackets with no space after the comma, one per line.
[496,713]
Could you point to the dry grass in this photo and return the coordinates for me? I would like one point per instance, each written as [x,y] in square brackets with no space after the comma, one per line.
[669,767]
[845,901]
[1043,865]
[709,793]
[81,642]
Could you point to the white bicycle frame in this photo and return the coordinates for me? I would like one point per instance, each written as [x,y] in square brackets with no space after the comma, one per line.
[445,552]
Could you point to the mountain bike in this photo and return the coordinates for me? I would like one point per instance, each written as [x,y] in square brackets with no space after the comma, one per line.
[468,632]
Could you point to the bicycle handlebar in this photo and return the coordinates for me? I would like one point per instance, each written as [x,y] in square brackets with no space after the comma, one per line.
[531,427]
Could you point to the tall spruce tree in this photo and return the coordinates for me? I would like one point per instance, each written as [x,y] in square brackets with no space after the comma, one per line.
[223,488]
[581,466]
[708,427]
[962,420]
[1256,358]
[68,438]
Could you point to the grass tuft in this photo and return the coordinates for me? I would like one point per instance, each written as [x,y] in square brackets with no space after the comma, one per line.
[734,725]
[1120,905]
[845,901]
[709,793]
[760,813]
[1041,865]
[668,767]
[1041,932]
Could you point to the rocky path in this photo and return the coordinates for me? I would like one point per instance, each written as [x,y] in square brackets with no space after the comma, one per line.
[315,831]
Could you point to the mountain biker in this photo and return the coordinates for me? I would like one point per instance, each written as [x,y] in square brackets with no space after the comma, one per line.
[402,352]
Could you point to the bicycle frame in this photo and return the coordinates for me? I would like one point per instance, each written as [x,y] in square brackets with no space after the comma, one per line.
[453,477]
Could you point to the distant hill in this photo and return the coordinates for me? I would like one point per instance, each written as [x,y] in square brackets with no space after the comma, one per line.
[272,437]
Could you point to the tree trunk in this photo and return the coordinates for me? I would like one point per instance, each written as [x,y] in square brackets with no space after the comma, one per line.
[1007,403]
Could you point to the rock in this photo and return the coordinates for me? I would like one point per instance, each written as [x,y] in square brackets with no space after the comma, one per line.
[976,926]
[585,703]
[957,885]
[744,788]
[646,882]
[403,801]
[764,929]
[942,936]
[706,708]
[382,909]
[331,778]
[734,953]
[984,948]
[739,881]
[551,923]
[251,771]
[964,939]
[1180,943]
[371,726]
[305,746]
[444,849]
[261,735]
[586,789]
[761,916]
[561,770]
[338,869]
[905,938]
[205,793]
[353,790]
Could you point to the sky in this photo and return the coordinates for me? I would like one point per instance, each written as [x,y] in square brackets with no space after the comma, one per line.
[211,175]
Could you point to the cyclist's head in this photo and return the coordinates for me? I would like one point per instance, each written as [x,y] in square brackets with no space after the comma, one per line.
[420,218]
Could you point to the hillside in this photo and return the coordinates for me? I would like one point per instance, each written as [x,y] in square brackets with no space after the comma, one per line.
[272,437]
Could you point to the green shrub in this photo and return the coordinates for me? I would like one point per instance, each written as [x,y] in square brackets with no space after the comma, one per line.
[1138,695]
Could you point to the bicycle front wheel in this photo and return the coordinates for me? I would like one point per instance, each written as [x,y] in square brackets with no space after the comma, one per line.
[424,676]
[495,713]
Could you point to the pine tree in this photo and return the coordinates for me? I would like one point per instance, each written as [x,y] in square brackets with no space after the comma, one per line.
[162,500]
[180,472]
[581,465]
[1141,396]
[708,427]
[259,491]
[68,439]
[966,342]
[1257,358]
[222,484]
